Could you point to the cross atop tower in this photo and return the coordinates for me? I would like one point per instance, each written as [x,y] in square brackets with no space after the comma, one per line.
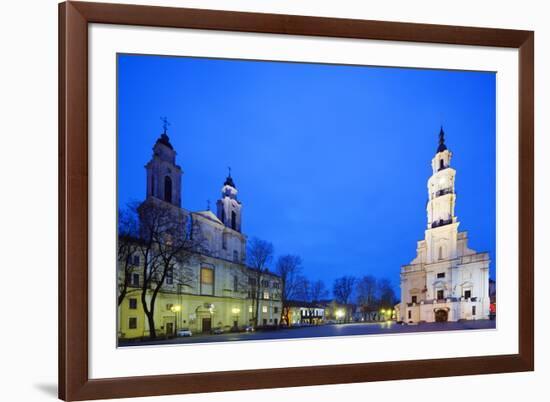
[165,124]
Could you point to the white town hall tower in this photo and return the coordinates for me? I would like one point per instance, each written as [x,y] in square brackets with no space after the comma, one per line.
[446,281]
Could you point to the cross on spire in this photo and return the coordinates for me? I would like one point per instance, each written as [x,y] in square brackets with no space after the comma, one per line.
[442,147]
[165,124]
[229,170]
[208,205]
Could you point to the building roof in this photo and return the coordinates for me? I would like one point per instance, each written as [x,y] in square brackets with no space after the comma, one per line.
[229,181]
[298,303]
[208,215]
[164,140]
[442,147]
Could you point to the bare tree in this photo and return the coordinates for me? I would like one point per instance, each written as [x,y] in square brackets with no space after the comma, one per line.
[318,291]
[259,255]
[303,289]
[342,290]
[167,242]
[288,268]
[386,294]
[126,248]
[367,292]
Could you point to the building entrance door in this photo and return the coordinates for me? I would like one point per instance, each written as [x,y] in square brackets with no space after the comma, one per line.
[169,328]
[441,316]
[206,324]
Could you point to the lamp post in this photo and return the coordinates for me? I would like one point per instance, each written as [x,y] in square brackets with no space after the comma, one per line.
[175,309]
[339,314]
[236,311]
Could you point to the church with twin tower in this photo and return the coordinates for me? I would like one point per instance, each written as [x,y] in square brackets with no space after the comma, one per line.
[213,288]
[447,281]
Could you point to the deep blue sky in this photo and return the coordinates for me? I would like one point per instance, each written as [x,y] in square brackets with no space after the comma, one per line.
[330,161]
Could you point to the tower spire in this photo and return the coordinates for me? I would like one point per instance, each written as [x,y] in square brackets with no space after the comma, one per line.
[442,147]
[229,179]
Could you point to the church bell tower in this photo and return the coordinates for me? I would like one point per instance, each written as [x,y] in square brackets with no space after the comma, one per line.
[442,228]
[163,175]
[228,207]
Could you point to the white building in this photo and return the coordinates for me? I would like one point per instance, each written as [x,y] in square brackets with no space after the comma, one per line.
[446,281]
[213,288]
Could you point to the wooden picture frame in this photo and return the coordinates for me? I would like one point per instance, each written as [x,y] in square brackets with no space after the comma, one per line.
[74,381]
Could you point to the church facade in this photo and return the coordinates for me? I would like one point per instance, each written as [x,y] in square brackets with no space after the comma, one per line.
[213,288]
[447,281]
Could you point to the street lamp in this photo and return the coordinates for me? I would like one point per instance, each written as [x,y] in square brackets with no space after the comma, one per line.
[339,314]
[176,308]
[236,311]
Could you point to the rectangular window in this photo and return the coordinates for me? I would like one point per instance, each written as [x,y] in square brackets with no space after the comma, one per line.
[440,294]
[264,309]
[275,310]
[473,310]
[132,304]
[409,314]
[266,295]
[249,309]
[207,281]
[235,283]
[169,306]
[441,275]
[265,283]
[135,260]
[132,323]
[170,276]
[467,294]
[414,299]
[251,281]
[233,220]
[135,280]
[235,256]
[224,241]
[275,285]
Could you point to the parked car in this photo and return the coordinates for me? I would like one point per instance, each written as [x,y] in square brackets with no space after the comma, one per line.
[249,329]
[217,331]
[185,332]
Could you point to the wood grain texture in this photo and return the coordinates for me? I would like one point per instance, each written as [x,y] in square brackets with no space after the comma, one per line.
[74,18]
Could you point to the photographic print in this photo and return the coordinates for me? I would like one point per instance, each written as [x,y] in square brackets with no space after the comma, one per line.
[265,200]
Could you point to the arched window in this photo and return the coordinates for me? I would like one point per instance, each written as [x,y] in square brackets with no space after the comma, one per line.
[153,186]
[167,189]
[233,220]
[440,253]
[441,164]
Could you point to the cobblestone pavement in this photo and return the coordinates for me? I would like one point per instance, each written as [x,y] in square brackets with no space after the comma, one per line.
[323,331]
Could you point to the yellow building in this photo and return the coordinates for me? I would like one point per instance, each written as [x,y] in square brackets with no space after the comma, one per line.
[217,300]
[211,287]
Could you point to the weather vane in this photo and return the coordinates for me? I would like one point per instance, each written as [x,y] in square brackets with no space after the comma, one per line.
[229,169]
[165,123]
[208,205]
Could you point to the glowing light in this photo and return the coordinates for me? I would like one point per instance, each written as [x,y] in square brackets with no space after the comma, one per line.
[339,313]
[175,308]
[235,310]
